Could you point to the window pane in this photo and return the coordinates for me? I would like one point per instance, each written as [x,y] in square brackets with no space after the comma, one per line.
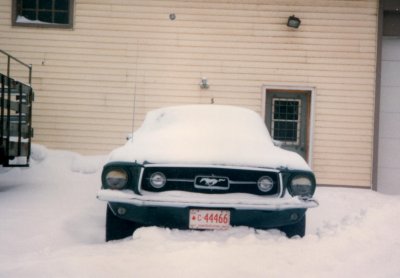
[285,131]
[286,110]
[45,16]
[62,5]
[45,4]
[61,18]
[29,15]
[286,119]
[28,4]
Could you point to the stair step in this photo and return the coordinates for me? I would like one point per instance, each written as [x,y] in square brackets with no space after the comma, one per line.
[15,106]
[14,90]
[26,93]
[26,130]
[4,79]
[13,148]
[15,119]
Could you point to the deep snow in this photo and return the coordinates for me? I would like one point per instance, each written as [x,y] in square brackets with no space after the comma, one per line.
[51,225]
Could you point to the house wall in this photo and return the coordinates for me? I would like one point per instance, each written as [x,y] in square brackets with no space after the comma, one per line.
[124,56]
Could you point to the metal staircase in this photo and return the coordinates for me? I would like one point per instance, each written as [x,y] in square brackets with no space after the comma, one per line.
[16,129]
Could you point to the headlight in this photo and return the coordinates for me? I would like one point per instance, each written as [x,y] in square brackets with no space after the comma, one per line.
[301,186]
[158,180]
[265,184]
[116,179]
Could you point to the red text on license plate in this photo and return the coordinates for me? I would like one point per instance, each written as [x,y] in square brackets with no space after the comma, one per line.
[209,219]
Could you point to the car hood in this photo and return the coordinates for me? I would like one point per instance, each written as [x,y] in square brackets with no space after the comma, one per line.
[206,135]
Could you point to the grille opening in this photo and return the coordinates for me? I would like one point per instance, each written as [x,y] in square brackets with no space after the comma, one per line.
[211,180]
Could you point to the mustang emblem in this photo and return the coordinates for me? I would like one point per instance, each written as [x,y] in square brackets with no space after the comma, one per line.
[218,183]
[210,181]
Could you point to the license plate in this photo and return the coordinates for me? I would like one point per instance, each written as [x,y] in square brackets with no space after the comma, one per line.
[209,219]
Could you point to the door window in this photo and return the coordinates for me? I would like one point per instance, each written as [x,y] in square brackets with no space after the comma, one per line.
[287,118]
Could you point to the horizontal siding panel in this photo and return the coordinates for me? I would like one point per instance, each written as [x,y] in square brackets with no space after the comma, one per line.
[349,170]
[368,88]
[344,164]
[341,156]
[242,7]
[201,26]
[100,52]
[80,83]
[73,91]
[79,114]
[100,102]
[80,147]
[154,69]
[85,136]
[344,178]
[237,79]
[350,125]
[326,144]
[228,93]
[340,150]
[343,138]
[337,111]
[141,50]
[352,105]
[346,132]
[368,119]
[261,17]
[213,65]
[167,100]
[93,121]
[81,107]
[341,180]
[346,98]
[82,128]
[49,137]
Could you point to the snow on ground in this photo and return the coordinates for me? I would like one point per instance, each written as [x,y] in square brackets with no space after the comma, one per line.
[51,225]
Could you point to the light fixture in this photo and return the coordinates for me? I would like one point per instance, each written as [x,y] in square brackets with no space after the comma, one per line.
[293,22]
[204,83]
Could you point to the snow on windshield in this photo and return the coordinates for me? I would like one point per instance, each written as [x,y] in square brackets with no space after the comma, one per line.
[206,134]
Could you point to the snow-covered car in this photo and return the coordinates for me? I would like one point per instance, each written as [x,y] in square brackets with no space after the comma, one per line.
[205,167]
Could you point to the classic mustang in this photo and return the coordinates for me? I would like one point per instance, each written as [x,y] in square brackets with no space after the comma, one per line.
[205,167]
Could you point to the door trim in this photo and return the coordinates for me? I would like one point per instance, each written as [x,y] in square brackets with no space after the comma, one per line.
[312,91]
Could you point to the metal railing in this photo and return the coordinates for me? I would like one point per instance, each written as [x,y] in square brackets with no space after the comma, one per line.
[15,117]
[9,58]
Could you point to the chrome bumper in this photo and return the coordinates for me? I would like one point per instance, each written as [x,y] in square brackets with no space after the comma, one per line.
[186,199]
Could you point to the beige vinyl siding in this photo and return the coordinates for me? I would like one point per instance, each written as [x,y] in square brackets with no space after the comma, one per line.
[86,79]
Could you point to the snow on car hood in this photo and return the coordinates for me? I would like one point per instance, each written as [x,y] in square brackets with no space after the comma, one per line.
[206,135]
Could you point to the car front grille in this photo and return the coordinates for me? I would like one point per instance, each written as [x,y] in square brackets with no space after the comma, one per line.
[215,180]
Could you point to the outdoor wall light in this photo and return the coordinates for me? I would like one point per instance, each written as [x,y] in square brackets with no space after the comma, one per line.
[204,83]
[293,22]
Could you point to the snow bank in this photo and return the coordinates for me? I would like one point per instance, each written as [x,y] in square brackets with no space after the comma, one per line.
[51,225]
[206,134]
